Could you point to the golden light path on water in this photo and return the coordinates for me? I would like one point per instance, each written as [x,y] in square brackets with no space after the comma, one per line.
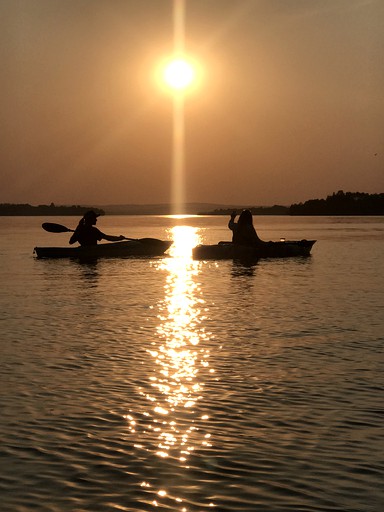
[178,356]
[180,364]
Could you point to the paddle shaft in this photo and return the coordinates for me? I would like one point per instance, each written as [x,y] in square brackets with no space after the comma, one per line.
[52,227]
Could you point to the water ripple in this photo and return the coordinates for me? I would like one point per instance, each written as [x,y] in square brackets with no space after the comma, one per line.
[194,386]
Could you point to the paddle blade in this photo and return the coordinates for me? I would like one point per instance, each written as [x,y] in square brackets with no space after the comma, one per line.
[51,227]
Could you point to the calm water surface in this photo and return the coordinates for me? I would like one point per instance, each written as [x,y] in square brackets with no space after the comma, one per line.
[167,384]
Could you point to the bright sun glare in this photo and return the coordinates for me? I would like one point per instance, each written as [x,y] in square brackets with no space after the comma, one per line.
[179,74]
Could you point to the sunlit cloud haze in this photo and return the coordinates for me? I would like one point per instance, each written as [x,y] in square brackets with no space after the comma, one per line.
[290,104]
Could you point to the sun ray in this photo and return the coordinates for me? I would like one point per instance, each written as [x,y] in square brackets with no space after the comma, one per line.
[178,162]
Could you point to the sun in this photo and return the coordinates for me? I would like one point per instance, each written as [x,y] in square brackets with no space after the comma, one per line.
[179,74]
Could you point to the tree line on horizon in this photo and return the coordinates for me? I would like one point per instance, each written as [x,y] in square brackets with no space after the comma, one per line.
[43,209]
[339,203]
[342,203]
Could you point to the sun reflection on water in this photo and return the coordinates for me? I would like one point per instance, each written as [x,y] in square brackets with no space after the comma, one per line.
[180,357]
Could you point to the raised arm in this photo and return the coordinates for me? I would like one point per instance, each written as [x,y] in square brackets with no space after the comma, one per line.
[232,223]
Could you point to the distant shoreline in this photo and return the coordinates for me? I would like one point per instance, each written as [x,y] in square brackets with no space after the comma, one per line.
[337,204]
[41,210]
[162,209]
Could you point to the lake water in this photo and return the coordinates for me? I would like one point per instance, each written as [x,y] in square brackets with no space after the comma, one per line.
[168,384]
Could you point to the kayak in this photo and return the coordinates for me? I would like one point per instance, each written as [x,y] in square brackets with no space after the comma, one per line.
[229,250]
[131,248]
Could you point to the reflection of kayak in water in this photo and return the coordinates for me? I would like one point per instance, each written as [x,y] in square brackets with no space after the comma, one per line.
[229,250]
[129,248]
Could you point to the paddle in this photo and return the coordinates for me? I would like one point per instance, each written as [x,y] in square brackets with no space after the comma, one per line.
[52,227]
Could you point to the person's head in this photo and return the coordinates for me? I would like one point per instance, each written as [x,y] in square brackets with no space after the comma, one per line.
[90,217]
[245,218]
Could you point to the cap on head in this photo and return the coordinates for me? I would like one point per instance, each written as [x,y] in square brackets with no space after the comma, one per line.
[91,215]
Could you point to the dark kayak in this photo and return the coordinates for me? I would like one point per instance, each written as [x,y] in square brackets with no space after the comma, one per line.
[229,251]
[142,247]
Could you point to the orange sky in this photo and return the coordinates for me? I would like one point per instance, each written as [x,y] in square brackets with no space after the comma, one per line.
[291,106]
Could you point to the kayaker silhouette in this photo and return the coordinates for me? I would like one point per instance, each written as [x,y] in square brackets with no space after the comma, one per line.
[87,234]
[243,230]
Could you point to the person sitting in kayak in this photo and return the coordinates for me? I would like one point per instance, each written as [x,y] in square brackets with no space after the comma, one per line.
[243,230]
[87,234]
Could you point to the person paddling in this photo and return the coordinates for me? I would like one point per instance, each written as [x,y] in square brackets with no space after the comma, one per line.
[87,234]
[243,230]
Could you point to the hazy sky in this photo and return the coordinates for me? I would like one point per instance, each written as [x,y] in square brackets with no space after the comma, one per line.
[290,107]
